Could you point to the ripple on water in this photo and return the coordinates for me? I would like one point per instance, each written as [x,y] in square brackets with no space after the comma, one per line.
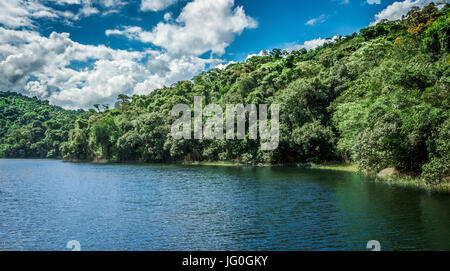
[45,203]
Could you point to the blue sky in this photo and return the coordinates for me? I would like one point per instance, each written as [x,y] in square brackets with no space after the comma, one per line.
[79,52]
[279,24]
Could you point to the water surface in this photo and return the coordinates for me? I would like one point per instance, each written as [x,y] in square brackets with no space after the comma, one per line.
[46,203]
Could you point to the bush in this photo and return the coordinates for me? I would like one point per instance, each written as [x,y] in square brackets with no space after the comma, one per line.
[315,142]
[438,169]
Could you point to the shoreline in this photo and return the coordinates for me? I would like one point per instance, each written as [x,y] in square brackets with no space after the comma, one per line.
[400,181]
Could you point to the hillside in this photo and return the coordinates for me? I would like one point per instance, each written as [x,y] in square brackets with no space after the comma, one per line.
[31,128]
[379,99]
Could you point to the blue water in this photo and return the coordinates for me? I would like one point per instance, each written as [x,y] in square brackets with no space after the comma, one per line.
[46,203]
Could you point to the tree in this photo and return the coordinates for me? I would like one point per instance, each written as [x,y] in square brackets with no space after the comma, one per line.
[377,99]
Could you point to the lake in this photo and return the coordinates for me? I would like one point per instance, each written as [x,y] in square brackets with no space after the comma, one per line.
[46,203]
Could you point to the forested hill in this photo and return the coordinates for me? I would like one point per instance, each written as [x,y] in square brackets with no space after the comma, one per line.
[31,128]
[379,99]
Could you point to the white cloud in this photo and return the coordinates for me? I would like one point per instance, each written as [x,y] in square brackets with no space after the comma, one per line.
[398,9]
[104,3]
[88,11]
[222,66]
[201,27]
[41,66]
[67,2]
[18,13]
[156,5]
[111,3]
[23,13]
[310,44]
[322,18]
[261,53]
[371,2]
[76,75]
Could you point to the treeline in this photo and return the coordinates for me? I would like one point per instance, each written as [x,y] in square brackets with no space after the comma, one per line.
[378,99]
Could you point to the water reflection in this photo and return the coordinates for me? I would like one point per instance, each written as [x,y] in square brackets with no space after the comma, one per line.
[45,203]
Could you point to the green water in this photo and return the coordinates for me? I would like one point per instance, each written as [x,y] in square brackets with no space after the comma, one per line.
[46,203]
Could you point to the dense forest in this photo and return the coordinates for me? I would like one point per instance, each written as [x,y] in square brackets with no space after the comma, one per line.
[377,99]
[31,128]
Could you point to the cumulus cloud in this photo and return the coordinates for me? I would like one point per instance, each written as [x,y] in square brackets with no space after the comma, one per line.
[201,27]
[76,75]
[156,5]
[41,66]
[398,9]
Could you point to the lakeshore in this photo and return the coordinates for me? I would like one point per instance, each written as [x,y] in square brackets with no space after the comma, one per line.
[401,180]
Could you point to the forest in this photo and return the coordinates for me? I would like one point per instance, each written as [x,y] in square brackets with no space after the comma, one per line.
[378,99]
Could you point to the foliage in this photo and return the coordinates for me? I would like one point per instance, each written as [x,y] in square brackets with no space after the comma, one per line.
[33,128]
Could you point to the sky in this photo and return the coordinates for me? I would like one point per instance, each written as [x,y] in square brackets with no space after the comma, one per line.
[76,53]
